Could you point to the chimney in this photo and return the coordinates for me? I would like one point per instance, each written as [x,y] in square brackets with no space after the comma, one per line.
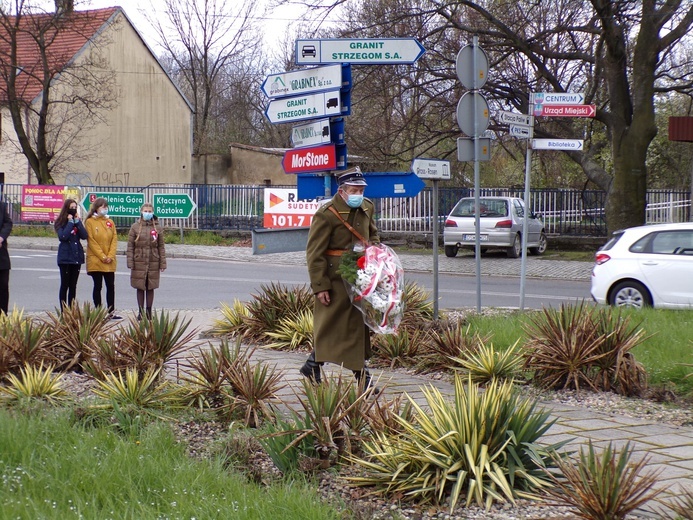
[64,6]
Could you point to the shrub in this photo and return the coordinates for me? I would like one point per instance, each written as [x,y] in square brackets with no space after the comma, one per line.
[445,341]
[486,364]
[418,307]
[22,341]
[603,487]
[399,349]
[294,332]
[33,383]
[233,320]
[254,387]
[274,303]
[482,445]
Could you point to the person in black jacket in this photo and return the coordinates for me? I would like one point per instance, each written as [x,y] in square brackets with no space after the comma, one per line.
[70,231]
[5,230]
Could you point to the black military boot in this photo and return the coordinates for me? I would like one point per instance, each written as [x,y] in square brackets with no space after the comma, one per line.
[311,369]
[367,383]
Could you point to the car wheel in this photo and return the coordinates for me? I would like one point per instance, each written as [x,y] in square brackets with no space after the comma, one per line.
[630,294]
[451,251]
[515,250]
[541,248]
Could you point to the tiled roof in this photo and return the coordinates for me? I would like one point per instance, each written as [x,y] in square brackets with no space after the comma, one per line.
[68,37]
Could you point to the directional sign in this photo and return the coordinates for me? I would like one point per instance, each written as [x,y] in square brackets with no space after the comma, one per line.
[466,116]
[311,134]
[317,79]
[309,106]
[374,51]
[559,98]
[431,169]
[465,149]
[380,185]
[173,205]
[119,204]
[565,110]
[521,131]
[557,144]
[314,159]
[472,78]
[513,118]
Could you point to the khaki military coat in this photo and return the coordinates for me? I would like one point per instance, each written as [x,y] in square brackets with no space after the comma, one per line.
[146,254]
[339,333]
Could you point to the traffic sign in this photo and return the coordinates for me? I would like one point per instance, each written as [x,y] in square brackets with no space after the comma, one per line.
[311,134]
[559,98]
[557,144]
[119,204]
[313,159]
[173,205]
[317,79]
[513,118]
[309,106]
[380,185]
[466,115]
[365,51]
[521,131]
[465,149]
[565,110]
[431,168]
[470,77]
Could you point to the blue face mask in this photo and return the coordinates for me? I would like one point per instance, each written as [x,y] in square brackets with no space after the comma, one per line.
[147,215]
[354,201]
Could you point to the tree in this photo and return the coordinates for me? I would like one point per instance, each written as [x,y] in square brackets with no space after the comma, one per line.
[210,44]
[51,96]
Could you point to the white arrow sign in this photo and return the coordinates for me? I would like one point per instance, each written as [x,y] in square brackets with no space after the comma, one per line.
[521,131]
[311,134]
[310,106]
[431,168]
[513,118]
[557,144]
[317,79]
[371,51]
[559,98]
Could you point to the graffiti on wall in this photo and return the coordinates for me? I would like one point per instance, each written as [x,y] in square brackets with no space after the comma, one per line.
[100,179]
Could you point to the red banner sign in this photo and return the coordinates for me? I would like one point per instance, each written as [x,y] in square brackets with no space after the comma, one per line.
[313,159]
[565,110]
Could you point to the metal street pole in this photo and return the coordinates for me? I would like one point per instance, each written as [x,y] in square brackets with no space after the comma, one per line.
[477,152]
[435,249]
[525,220]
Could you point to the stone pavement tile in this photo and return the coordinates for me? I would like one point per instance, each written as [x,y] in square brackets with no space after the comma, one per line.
[587,422]
[667,440]
[672,473]
[688,464]
[558,428]
[578,414]
[630,421]
[606,434]
[681,452]
[549,438]
[618,444]
[659,429]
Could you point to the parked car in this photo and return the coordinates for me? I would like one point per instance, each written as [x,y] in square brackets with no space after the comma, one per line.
[500,225]
[646,266]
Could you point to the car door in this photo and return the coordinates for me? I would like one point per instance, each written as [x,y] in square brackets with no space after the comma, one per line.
[666,264]
[533,224]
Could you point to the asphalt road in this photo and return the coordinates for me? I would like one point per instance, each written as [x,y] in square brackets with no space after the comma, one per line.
[203,284]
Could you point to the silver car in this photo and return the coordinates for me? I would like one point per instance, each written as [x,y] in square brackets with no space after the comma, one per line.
[500,226]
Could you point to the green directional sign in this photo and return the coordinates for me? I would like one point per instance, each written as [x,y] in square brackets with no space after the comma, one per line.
[119,204]
[173,205]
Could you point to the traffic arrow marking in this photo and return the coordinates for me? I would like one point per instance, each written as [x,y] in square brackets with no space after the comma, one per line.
[364,51]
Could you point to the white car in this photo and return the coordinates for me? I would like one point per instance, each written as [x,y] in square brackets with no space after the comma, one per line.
[646,266]
[500,225]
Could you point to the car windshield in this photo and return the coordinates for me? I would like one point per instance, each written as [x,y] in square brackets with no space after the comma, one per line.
[487,208]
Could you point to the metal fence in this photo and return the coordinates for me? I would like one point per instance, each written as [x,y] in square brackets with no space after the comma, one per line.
[564,211]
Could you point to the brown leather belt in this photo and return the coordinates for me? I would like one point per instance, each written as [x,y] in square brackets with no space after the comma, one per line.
[335,252]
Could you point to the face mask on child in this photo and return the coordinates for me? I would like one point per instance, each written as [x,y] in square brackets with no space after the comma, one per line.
[147,215]
[103,211]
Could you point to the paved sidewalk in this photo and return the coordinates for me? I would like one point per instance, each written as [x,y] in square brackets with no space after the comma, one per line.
[669,447]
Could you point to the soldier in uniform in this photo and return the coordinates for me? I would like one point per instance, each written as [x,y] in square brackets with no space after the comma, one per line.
[339,333]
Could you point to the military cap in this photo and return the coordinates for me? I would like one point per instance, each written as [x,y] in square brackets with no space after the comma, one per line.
[352,177]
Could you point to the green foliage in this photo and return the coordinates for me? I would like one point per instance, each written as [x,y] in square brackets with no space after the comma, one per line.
[33,383]
[348,268]
[232,322]
[582,345]
[293,332]
[278,440]
[22,341]
[486,364]
[400,349]
[603,487]
[481,445]
[418,307]
[445,341]
[274,303]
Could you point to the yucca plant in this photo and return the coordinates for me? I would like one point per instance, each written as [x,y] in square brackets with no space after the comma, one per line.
[233,320]
[486,364]
[205,375]
[254,389]
[148,344]
[563,347]
[272,304]
[22,341]
[481,445]
[618,370]
[145,393]
[278,440]
[606,486]
[34,383]
[71,332]
[382,414]
[399,349]
[418,306]
[445,341]
[682,503]
[293,332]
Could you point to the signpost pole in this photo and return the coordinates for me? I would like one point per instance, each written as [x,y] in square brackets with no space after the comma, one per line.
[477,152]
[525,220]
[435,249]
